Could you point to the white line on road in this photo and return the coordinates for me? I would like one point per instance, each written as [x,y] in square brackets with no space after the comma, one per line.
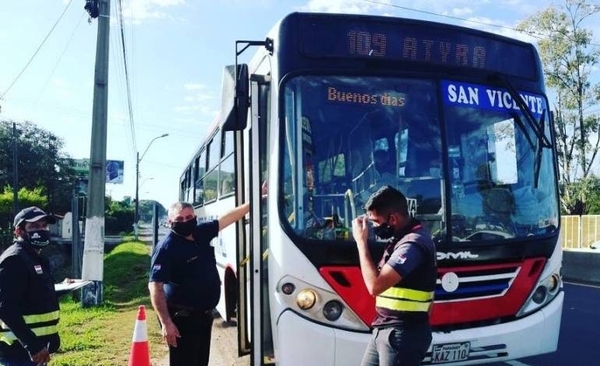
[516,363]
[582,284]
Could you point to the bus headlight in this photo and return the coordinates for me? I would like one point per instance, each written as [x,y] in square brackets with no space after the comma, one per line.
[333,310]
[288,288]
[539,295]
[553,283]
[546,290]
[316,304]
[306,299]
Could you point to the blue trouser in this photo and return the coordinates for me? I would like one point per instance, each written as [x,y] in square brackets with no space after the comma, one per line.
[400,345]
[17,363]
[193,348]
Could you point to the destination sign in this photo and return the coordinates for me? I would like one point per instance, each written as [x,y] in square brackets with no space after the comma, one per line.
[387,99]
[490,98]
[415,41]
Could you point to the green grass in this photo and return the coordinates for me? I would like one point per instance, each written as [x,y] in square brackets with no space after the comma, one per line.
[101,335]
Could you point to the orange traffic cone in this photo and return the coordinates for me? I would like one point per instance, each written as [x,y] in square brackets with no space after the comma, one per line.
[140,353]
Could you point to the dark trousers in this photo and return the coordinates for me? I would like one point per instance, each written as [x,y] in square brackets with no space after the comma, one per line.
[401,345]
[193,348]
[17,363]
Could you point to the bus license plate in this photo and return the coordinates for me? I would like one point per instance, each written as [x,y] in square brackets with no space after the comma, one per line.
[450,352]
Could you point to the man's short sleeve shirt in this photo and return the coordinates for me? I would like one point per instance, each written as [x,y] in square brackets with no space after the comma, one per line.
[406,258]
[414,258]
[188,268]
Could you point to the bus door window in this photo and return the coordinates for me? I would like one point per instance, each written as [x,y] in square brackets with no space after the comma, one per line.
[226,173]
[293,177]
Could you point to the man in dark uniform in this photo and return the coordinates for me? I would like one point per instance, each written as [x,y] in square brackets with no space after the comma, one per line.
[403,282]
[29,310]
[184,282]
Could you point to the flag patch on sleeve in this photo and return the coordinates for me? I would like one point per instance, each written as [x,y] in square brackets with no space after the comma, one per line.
[400,259]
[156,267]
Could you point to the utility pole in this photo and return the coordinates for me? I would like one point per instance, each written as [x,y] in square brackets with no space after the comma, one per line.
[15,171]
[136,211]
[93,252]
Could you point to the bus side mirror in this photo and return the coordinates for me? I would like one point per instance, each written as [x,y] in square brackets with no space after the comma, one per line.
[235,98]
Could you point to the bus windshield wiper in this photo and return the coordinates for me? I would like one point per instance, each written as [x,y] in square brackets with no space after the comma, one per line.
[529,117]
[537,164]
[537,127]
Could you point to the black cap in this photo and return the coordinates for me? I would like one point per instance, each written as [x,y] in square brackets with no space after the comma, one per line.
[32,214]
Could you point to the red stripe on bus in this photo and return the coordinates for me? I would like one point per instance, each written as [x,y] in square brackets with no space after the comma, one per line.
[348,283]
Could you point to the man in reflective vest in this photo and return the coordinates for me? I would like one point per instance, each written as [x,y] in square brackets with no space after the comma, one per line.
[403,282]
[29,310]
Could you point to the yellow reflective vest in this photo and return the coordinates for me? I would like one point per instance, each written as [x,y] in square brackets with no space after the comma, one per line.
[405,299]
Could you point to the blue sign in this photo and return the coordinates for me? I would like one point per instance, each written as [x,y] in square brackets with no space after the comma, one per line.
[489,98]
[114,171]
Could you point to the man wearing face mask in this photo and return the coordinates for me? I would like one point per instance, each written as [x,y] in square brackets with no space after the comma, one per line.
[29,310]
[184,283]
[403,282]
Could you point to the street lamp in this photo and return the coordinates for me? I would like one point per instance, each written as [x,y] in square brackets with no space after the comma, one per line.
[138,159]
[145,180]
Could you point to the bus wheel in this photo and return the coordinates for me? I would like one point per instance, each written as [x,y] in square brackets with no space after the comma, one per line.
[231,295]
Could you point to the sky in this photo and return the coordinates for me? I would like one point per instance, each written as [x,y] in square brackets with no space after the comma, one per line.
[175,51]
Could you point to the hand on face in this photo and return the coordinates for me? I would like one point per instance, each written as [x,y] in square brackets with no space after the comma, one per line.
[360,230]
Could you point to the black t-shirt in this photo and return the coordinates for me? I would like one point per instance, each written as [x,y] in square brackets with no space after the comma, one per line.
[188,268]
[26,287]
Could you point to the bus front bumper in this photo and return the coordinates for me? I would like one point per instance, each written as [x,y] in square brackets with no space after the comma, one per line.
[302,342]
[532,335]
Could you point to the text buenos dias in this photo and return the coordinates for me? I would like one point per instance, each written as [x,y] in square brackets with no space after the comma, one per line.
[386,99]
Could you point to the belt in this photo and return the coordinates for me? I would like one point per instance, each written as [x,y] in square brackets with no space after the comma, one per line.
[182,310]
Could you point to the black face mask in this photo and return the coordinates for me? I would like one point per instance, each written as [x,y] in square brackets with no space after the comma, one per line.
[384,231]
[38,238]
[184,228]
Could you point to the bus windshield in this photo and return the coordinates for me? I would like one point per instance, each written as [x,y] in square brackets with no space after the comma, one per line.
[349,136]
[345,137]
[502,176]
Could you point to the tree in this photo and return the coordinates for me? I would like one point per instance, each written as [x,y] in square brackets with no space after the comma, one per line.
[119,217]
[26,198]
[569,57]
[42,163]
[593,202]
[147,210]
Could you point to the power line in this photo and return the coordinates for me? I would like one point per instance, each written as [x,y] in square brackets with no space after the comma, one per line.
[127,84]
[37,50]
[439,15]
[60,57]
[513,29]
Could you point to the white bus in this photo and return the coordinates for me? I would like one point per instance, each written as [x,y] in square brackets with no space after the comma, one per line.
[462,123]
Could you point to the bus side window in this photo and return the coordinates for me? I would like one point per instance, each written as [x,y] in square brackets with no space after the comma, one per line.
[227,186]
[199,193]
